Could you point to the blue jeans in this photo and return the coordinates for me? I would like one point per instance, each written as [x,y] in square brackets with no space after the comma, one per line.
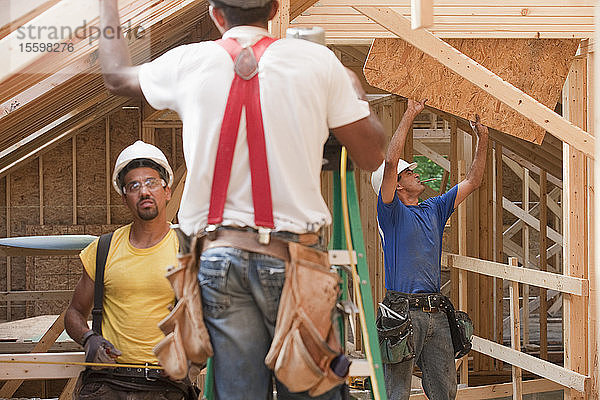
[240,296]
[434,354]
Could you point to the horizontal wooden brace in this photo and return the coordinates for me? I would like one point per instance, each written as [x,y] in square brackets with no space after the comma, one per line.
[36,295]
[548,280]
[11,371]
[545,369]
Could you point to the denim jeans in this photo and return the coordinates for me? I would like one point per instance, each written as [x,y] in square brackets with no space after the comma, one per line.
[434,355]
[240,296]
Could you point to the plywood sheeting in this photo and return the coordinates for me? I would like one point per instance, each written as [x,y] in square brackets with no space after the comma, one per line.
[536,66]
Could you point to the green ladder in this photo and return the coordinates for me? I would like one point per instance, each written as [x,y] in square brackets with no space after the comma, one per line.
[338,242]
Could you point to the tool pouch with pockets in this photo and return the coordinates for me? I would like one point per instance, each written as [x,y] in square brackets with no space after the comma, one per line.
[187,340]
[461,330]
[395,332]
[305,341]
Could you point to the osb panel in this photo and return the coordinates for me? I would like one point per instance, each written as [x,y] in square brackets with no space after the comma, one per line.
[58,184]
[164,142]
[536,66]
[124,131]
[91,175]
[25,197]
[179,147]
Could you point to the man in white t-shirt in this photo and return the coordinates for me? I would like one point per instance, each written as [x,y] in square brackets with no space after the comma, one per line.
[304,93]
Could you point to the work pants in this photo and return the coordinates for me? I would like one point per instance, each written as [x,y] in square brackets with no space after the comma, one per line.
[104,391]
[434,355]
[240,297]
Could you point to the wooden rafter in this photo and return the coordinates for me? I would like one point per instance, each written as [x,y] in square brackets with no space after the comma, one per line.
[484,79]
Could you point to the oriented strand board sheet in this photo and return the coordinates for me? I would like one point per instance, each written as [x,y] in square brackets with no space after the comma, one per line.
[536,66]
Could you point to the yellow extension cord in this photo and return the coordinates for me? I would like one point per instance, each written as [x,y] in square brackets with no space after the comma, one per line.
[83,364]
[355,276]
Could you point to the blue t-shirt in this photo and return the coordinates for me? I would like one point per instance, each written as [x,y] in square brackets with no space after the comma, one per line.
[412,242]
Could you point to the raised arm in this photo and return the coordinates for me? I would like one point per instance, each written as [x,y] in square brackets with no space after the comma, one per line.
[396,148]
[364,139]
[475,175]
[120,76]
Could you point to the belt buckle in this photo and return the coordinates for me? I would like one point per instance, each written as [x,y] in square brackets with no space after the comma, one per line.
[211,232]
[429,308]
[264,235]
[146,371]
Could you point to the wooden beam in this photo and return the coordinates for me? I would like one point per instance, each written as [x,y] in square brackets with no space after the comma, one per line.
[529,219]
[421,13]
[15,372]
[499,253]
[27,295]
[462,274]
[543,266]
[45,343]
[281,22]
[500,390]
[548,280]
[575,309]
[483,78]
[432,155]
[545,369]
[515,334]
[177,192]
[526,253]
[107,167]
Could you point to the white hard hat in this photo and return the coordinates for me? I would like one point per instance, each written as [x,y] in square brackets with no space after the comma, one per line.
[377,176]
[140,150]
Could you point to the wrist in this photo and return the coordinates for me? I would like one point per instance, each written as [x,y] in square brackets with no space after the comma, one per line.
[86,336]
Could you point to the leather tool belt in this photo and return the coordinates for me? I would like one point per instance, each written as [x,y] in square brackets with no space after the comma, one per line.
[461,326]
[305,342]
[427,302]
[138,379]
[187,340]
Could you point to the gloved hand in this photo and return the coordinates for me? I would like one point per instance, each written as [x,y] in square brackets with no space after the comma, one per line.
[99,350]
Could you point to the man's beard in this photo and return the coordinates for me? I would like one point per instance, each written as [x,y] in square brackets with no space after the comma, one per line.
[148,214]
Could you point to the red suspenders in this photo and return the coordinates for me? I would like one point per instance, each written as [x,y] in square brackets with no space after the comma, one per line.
[244,92]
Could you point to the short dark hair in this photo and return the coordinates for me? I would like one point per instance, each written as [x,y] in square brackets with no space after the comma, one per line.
[141,163]
[237,16]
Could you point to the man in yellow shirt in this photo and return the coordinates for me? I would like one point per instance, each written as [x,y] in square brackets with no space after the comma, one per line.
[136,293]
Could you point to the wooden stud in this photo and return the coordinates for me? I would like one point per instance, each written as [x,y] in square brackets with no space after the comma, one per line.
[454,233]
[483,78]
[462,275]
[74,178]
[526,251]
[107,168]
[575,309]
[515,338]
[8,184]
[281,22]
[41,187]
[499,256]
[173,149]
[421,13]
[543,267]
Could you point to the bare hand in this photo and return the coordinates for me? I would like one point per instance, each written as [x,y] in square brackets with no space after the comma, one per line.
[416,106]
[478,127]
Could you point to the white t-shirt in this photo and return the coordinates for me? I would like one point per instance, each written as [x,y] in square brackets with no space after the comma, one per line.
[304,91]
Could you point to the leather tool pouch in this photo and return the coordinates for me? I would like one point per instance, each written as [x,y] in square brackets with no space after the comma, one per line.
[187,339]
[395,332]
[461,330]
[305,341]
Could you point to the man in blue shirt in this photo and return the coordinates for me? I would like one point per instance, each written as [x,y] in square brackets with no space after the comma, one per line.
[411,235]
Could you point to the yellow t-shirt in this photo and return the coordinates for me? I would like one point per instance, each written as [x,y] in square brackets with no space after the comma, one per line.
[136,293]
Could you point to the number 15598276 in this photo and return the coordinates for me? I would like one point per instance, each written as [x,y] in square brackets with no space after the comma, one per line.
[46,47]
